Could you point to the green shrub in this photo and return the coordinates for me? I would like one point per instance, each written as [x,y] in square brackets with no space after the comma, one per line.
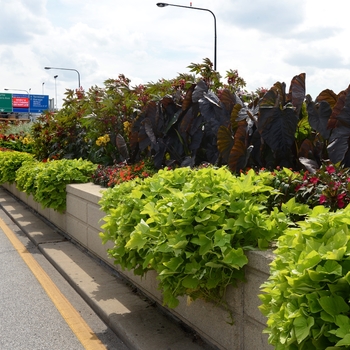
[306,297]
[52,180]
[47,181]
[191,226]
[10,162]
[26,176]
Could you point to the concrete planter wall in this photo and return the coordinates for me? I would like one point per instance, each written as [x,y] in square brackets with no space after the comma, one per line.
[82,221]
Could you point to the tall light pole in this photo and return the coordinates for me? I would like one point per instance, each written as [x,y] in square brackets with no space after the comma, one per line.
[67,69]
[42,87]
[28,93]
[55,77]
[163,4]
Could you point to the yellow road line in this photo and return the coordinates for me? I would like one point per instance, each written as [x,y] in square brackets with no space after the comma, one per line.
[77,324]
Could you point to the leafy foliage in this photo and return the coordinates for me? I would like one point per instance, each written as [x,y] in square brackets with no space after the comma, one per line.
[122,172]
[306,298]
[26,176]
[10,162]
[19,140]
[48,183]
[329,185]
[192,227]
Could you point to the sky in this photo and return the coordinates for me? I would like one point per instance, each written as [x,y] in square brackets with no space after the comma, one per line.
[265,40]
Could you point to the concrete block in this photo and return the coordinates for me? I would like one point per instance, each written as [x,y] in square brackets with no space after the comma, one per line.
[77,207]
[32,203]
[58,219]
[212,322]
[251,291]
[23,197]
[77,229]
[45,212]
[88,191]
[94,244]
[234,298]
[6,186]
[254,338]
[260,260]
[95,216]
[148,284]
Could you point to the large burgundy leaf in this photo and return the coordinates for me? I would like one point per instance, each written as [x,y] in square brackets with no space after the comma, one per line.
[328,96]
[196,141]
[149,131]
[228,100]
[239,153]
[187,102]
[225,142]
[277,126]
[319,114]
[334,121]
[159,156]
[234,116]
[122,147]
[338,146]
[297,92]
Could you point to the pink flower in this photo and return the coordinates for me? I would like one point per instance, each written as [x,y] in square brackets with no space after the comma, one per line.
[330,169]
[314,180]
[340,200]
[323,199]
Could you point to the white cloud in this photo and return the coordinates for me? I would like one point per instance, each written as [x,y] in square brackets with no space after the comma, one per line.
[266,40]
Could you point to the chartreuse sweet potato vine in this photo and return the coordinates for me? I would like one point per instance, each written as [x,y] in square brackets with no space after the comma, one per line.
[306,298]
[47,181]
[10,162]
[191,226]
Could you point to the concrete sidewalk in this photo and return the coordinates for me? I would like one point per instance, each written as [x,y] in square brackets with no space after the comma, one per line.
[140,323]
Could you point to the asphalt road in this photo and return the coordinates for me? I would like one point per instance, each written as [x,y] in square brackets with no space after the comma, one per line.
[29,318]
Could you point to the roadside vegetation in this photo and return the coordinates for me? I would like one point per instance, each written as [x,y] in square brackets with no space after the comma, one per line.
[197,171]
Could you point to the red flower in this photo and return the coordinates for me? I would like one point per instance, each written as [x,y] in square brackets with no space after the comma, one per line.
[340,200]
[323,199]
[314,180]
[330,169]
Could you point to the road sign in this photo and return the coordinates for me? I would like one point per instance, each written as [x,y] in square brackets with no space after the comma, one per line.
[5,103]
[39,103]
[22,103]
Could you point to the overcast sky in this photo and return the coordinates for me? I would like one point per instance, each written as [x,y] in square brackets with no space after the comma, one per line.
[265,40]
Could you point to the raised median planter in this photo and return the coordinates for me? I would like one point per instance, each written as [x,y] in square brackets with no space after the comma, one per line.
[82,221]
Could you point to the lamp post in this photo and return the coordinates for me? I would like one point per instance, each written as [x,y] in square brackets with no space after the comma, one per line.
[67,69]
[42,87]
[163,4]
[55,77]
[28,93]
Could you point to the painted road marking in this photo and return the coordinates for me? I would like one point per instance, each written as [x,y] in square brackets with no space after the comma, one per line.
[83,332]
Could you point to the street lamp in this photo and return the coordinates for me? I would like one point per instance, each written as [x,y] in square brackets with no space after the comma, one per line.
[67,69]
[28,93]
[42,87]
[55,77]
[163,4]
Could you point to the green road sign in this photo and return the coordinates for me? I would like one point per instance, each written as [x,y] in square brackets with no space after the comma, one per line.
[6,103]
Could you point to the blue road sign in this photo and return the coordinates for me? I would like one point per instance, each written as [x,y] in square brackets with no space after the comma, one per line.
[22,103]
